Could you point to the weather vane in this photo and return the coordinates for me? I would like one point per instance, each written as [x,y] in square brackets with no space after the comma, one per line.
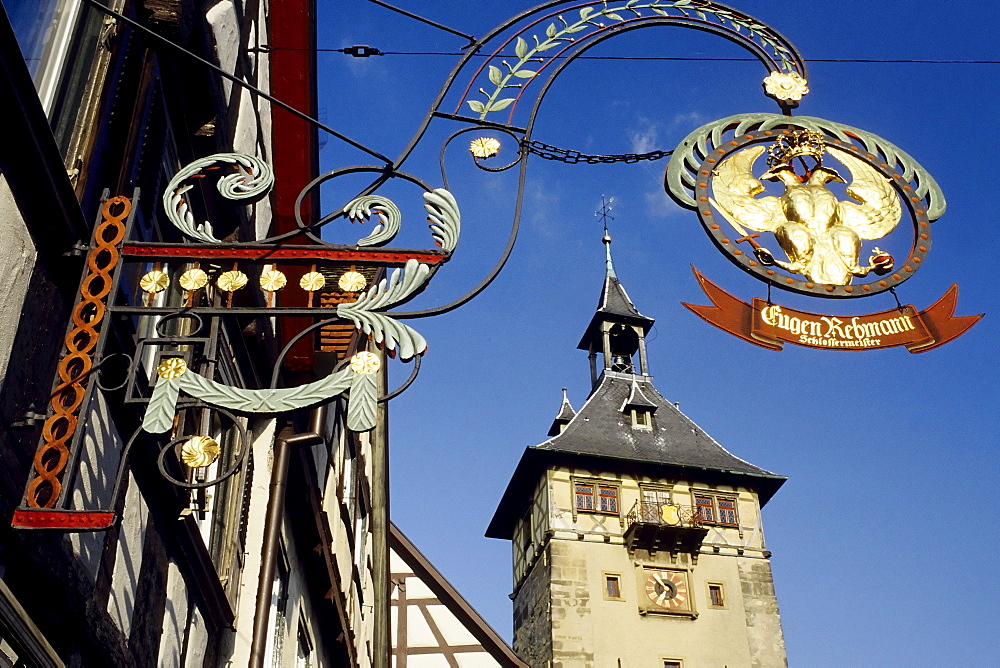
[604,213]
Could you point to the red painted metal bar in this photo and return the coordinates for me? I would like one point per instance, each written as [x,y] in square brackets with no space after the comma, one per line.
[309,253]
[294,151]
[37,518]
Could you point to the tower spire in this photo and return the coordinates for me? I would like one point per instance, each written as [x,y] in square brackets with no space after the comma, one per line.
[617,331]
[604,213]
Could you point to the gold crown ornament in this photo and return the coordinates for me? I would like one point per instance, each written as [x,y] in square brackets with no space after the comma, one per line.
[799,143]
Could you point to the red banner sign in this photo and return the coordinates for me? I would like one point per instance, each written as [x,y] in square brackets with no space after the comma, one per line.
[772,325]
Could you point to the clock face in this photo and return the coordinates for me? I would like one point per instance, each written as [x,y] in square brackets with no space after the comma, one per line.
[666,589]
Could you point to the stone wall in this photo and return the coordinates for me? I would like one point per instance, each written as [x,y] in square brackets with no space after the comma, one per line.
[532,621]
[767,644]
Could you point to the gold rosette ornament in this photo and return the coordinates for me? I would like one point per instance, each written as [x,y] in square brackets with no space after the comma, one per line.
[365,363]
[351,281]
[312,281]
[484,147]
[174,367]
[200,451]
[230,281]
[154,281]
[273,280]
[193,279]
[784,86]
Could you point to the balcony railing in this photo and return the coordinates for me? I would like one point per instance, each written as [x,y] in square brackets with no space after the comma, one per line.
[666,514]
[659,527]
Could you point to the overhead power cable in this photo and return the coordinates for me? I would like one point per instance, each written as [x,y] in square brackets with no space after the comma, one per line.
[439,26]
[363,51]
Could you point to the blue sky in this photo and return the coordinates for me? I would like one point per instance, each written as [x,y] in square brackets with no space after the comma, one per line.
[884,537]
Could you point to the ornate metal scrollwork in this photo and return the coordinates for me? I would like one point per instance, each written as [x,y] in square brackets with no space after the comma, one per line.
[536,53]
[388,213]
[252,178]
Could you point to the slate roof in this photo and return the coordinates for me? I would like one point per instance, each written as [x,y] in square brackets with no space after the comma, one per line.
[601,428]
[602,436]
[614,304]
[566,413]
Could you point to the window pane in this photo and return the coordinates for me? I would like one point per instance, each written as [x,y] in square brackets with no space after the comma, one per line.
[614,590]
[609,499]
[584,497]
[715,593]
[657,496]
[727,511]
[706,508]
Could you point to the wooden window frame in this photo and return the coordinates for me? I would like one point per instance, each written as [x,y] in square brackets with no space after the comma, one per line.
[596,495]
[714,509]
[721,605]
[642,419]
[617,578]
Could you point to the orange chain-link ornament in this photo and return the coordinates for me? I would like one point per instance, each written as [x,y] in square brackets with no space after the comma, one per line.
[67,397]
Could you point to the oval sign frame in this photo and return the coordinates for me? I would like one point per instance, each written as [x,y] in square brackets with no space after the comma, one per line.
[689,180]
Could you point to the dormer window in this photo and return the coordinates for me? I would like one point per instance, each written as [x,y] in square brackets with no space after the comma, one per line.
[642,418]
[639,408]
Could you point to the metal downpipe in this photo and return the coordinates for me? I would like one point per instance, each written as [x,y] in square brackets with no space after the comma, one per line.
[272,527]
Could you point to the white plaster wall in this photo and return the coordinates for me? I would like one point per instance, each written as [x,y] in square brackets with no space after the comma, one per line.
[174,619]
[222,19]
[252,133]
[197,640]
[262,459]
[128,558]
[95,478]
[17,259]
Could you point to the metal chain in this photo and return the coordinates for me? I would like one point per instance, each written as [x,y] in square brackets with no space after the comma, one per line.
[569,156]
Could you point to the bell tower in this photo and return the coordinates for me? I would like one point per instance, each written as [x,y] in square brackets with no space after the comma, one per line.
[617,331]
[636,538]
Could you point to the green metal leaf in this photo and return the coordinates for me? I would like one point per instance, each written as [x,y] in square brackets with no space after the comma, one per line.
[586,12]
[444,217]
[477,106]
[545,46]
[495,75]
[681,3]
[159,417]
[551,30]
[614,17]
[362,403]
[659,11]
[501,104]
[525,74]
[521,47]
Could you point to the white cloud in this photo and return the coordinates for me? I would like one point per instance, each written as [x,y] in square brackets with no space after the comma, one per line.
[659,205]
[645,139]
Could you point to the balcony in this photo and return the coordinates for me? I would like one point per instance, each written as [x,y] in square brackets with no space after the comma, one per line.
[663,527]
